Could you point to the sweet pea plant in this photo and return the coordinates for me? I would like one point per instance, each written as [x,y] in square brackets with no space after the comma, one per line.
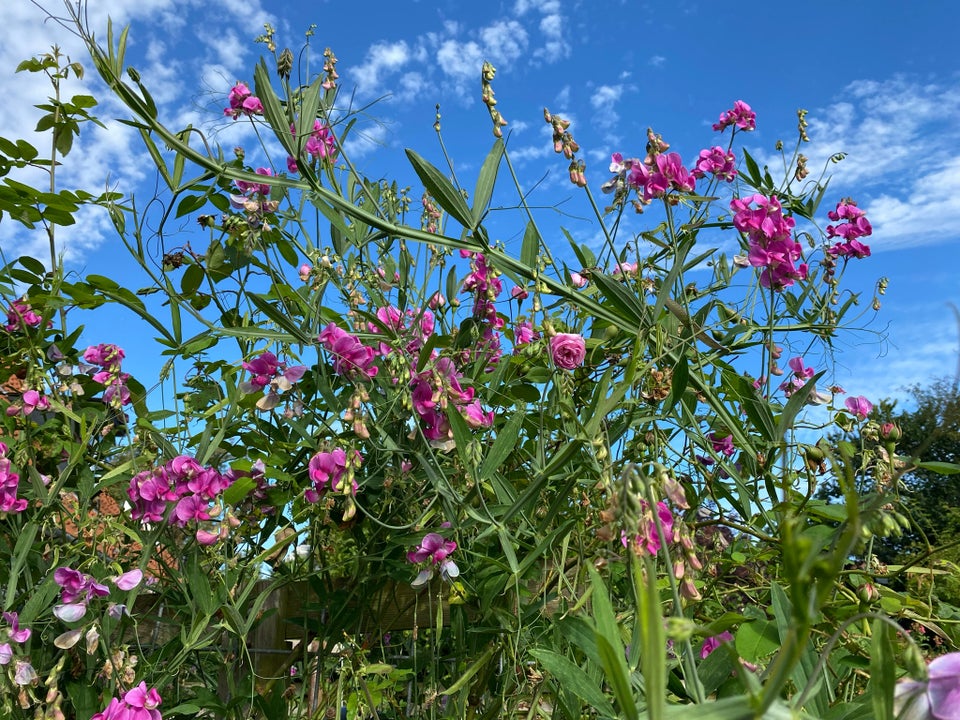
[587,467]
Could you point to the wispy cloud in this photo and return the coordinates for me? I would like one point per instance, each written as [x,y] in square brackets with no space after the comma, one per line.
[112,158]
[902,164]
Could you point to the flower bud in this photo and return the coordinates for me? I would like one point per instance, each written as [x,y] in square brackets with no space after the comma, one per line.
[890,432]
[868,593]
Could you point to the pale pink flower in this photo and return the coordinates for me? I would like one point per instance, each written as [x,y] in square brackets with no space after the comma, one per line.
[859,406]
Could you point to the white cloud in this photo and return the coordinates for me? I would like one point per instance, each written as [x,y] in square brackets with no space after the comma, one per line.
[460,60]
[604,100]
[503,41]
[902,164]
[383,59]
[656,61]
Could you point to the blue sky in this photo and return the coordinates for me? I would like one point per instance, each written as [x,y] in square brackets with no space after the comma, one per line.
[880,81]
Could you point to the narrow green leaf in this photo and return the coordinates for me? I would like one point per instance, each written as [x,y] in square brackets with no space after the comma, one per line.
[486,180]
[571,677]
[506,440]
[943,468]
[273,111]
[442,189]
[472,670]
[530,246]
[883,670]
[615,668]
[796,402]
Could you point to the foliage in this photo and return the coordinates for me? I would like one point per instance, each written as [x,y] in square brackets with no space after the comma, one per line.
[596,487]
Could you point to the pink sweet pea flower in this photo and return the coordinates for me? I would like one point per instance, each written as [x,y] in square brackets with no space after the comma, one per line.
[129,580]
[435,548]
[712,643]
[740,115]
[137,704]
[859,406]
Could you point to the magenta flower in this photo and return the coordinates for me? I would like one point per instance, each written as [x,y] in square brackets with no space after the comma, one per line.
[9,484]
[668,174]
[859,406]
[20,315]
[13,633]
[712,643]
[329,471]
[647,539]
[717,162]
[854,226]
[740,115]
[242,102]
[567,350]
[351,358]
[436,549]
[109,357]
[268,372]
[138,704]
[523,334]
[722,445]
[770,238]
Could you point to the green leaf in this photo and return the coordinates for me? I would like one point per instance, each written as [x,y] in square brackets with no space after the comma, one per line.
[504,444]
[610,646]
[442,189]
[943,468]
[531,246]
[486,180]
[883,670]
[573,678]
[757,639]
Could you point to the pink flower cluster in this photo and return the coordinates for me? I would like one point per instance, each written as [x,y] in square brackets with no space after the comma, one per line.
[109,357]
[242,102]
[854,226]
[647,539]
[9,483]
[268,372]
[436,388]
[411,330]
[332,470]
[665,173]
[717,162]
[436,549]
[801,374]
[138,703]
[320,146]
[183,484]
[740,115]
[485,284]
[251,188]
[771,242]
[20,315]
[351,358]
[12,633]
